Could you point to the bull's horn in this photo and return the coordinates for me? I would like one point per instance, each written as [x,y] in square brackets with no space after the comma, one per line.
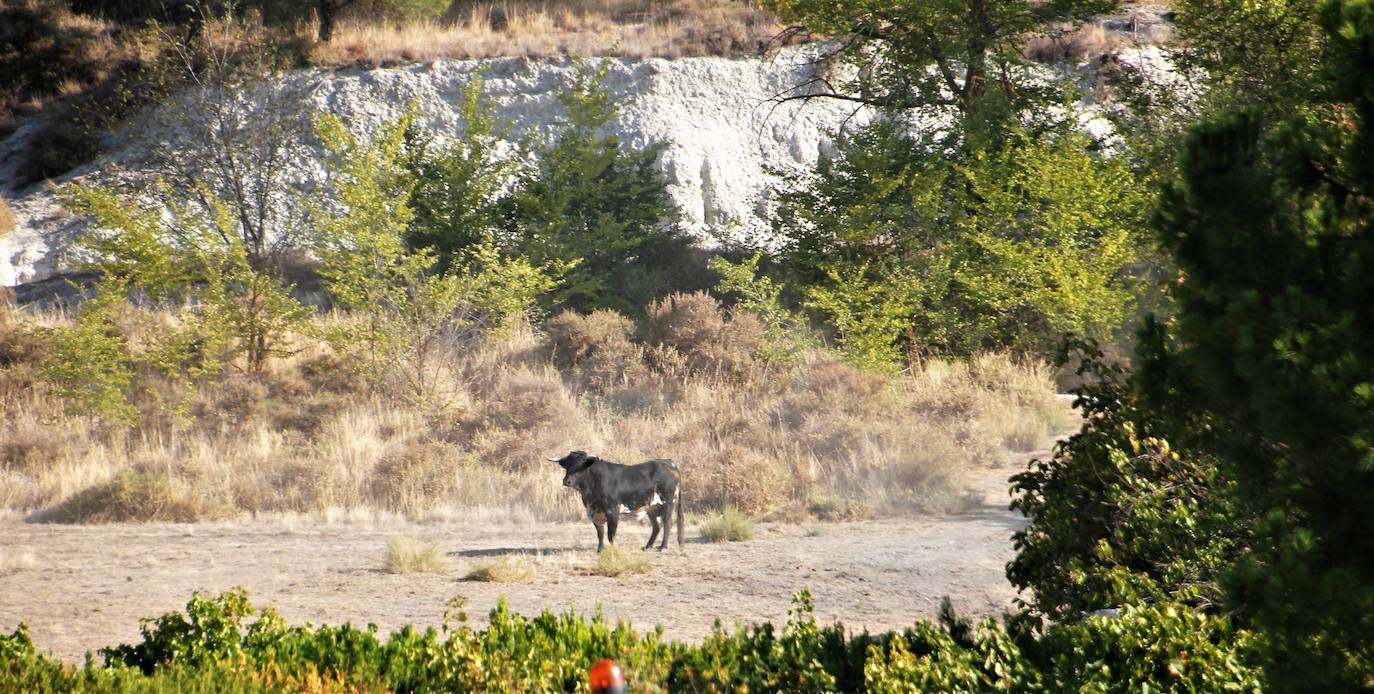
[551,460]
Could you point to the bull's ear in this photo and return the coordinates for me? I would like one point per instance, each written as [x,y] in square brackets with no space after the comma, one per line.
[583,464]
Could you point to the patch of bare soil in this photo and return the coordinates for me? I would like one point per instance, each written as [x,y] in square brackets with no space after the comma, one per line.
[88,586]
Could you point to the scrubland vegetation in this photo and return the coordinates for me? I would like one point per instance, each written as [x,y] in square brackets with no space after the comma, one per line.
[307,433]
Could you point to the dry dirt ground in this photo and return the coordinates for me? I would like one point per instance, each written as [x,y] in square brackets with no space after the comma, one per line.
[82,587]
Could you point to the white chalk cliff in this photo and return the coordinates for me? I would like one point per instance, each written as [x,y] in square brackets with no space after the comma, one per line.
[726,138]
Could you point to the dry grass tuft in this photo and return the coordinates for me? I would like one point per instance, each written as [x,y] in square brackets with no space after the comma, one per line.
[615,561]
[13,559]
[501,570]
[407,555]
[727,525]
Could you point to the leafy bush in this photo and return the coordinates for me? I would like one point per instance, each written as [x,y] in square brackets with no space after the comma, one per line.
[405,306]
[786,333]
[1008,249]
[1165,648]
[727,525]
[1118,516]
[588,200]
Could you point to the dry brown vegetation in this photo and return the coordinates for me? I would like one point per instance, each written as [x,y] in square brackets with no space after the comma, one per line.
[307,436]
[615,561]
[501,570]
[407,555]
[6,217]
[629,28]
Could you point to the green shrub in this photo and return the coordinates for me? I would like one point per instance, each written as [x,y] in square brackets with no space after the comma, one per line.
[727,525]
[1159,648]
[1119,516]
[591,201]
[404,305]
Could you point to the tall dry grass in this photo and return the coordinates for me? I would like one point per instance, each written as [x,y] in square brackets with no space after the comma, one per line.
[541,29]
[307,436]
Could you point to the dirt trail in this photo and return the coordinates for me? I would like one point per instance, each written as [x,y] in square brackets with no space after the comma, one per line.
[88,585]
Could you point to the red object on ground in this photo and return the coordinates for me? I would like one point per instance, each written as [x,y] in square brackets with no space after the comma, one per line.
[606,677]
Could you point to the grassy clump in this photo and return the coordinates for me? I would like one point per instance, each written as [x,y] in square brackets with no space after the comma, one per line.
[406,555]
[727,525]
[835,508]
[133,496]
[502,570]
[614,562]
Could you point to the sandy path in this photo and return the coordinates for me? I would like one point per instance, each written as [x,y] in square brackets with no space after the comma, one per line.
[89,585]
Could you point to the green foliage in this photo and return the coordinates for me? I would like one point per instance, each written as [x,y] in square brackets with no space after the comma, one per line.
[870,311]
[234,307]
[1265,54]
[214,647]
[405,306]
[1118,516]
[1158,648]
[1273,230]
[589,200]
[458,188]
[941,56]
[786,334]
[1009,249]
[90,365]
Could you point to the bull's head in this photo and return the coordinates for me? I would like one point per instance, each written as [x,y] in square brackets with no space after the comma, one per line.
[574,463]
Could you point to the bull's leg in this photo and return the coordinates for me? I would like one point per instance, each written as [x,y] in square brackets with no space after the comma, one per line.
[600,521]
[612,520]
[653,520]
[667,521]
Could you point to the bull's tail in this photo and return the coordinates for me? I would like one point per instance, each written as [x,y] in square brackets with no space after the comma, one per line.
[678,494]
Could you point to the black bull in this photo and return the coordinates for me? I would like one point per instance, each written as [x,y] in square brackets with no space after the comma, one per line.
[609,490]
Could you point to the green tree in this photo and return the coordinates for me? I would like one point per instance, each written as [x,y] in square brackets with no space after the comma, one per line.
[406,307]
[194,259]
[1273,230]
[959,58]
[459,188]
[1010,249]
[590,200]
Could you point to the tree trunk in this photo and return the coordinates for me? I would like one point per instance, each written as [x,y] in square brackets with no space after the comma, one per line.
[325,9]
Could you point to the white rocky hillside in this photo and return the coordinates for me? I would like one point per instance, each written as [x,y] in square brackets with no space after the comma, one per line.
[723,132]
[728,139]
